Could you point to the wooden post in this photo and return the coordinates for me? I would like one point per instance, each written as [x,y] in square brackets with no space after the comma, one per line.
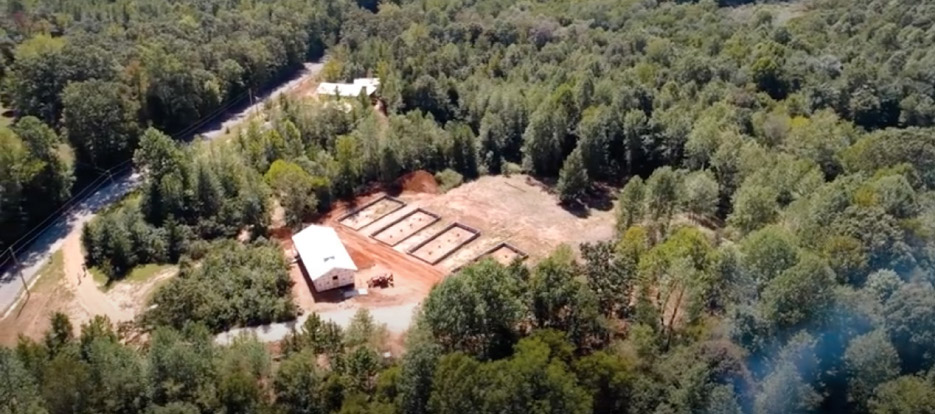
[19,270]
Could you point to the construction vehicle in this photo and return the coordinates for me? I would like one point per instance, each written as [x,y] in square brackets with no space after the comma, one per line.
[383,281]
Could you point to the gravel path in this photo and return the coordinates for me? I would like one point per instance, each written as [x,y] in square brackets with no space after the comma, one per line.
[396,318]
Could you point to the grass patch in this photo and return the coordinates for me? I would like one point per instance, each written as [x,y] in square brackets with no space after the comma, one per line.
[230,133]
[139,274]
[51,272]
[100,279]
[142,274]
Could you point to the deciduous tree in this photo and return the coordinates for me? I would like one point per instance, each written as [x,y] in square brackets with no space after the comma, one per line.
[101,120]
[630,204]
[296,190]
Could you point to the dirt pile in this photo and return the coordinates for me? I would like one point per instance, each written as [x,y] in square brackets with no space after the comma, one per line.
[419,182]
[281,233]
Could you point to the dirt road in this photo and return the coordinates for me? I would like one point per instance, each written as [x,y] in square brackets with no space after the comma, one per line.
[86,292]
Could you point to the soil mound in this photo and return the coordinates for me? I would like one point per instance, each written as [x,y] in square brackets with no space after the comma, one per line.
[281,233]
[419,182]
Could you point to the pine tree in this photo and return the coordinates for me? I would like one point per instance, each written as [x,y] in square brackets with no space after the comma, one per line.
[390,167]
[573,178]
[463,150]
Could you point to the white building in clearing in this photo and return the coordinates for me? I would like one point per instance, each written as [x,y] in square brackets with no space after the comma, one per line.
[349,90]
[324,257]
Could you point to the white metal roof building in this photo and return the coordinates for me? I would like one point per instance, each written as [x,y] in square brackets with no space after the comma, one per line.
[324,257]
[349,90]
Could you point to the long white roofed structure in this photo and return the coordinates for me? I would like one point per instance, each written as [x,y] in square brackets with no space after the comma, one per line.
[324,257]
[349,90]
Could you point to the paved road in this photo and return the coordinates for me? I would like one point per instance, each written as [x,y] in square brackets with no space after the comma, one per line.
[54,236]
[219,128]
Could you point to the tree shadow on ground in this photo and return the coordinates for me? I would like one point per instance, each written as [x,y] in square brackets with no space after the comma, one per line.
[598,197]
[576,208]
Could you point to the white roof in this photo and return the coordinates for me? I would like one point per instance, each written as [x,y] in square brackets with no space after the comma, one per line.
[321,250]
[367,81]
[349,90]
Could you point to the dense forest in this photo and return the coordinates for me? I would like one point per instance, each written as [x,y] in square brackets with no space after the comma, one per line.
[98,73]
[775,246]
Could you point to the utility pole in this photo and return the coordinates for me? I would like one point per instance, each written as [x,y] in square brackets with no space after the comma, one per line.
[109,175]
[19,270]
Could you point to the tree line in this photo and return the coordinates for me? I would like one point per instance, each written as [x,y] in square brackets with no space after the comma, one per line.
[774,246]
[99,73]
[634,326]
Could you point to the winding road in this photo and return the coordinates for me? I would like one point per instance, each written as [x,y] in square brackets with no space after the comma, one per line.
[68,226]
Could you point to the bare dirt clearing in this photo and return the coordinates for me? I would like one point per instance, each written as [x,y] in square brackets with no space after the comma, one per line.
[517,210]
[410,224]
[444,243]
[66,287]
[371,212]
[62,287]
[30,316]
[505,254]
[133,295]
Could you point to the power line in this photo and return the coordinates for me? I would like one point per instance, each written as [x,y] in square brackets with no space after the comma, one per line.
[40,229]
[108,173]
[207,118]
[70,202]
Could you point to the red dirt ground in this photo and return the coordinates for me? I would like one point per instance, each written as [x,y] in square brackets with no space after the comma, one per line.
[504,209]
[419,182]
[360,258]
[402,266]
[413,278]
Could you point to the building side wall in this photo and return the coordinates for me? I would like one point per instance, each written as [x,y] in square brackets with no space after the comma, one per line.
[334,279]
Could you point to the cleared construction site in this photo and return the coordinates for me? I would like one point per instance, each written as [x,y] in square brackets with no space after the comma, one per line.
[405,227]
[444,243]
[405,243]
[370,212]
[501,218]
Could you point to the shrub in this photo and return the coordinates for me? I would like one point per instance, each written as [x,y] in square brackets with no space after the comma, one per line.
[448,179]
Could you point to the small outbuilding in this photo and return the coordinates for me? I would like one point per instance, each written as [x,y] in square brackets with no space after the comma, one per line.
[324,257]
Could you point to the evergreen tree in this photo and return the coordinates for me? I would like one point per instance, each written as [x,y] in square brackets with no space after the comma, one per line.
[573,179]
